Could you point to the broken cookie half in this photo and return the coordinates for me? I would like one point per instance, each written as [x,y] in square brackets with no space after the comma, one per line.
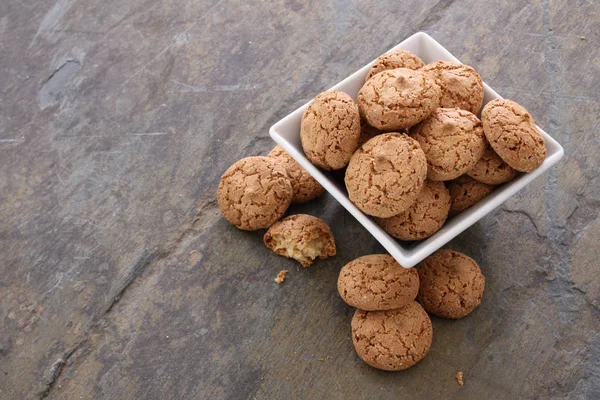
[301,237]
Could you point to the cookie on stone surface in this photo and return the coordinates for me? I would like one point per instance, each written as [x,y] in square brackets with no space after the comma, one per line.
[305,187]
[377,282]
[301,237]
[424,218]
[330,129]
[512,133]
[491,169]
[398,98]
[392,340]
[254,193]
[394,59]
[453,142]
[451,284]
[466,192]
[461,85]
[386,174]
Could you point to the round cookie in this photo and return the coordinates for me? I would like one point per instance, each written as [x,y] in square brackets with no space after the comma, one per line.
[386,174]
[398,98]
[305,187]
[461,85]
[491,169]
[392,340]
[453,142]
[451,284]
[466,192]
[377,282]
[513,135]
[330,129]
[394,59]
[424,218]
[254,193]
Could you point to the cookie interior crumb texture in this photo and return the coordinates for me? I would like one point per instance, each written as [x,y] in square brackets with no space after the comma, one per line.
[281,276]
[301,237]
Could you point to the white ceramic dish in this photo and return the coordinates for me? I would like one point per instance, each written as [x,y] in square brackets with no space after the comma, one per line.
[286,133]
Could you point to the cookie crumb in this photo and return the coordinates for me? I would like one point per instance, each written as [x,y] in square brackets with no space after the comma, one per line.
[582,37]
[281,276]
[459,378]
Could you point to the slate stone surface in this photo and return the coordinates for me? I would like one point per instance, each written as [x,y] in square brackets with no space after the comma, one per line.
[120,280]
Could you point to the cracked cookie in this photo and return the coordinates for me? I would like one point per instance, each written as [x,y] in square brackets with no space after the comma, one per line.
[254,193]
[386,174]
[392,340]
[453,142]
[451,284]
[394,59]
[301,237]
[424,217]
[305,187]
[466,192]
[330,129]
[491,169]
[398,98]
[512,133]
[461,85]
[377,282]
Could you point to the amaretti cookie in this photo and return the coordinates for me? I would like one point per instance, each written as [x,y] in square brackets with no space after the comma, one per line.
[305,187]
[254,193]
[386,174]
[377,282]
[301,237]
[466,192]
[330,129]
[453,142]
[513,135]
[392,340]
[451,284]
[398,98]
[491,169]
[395,59]
[460,84]
[424,218]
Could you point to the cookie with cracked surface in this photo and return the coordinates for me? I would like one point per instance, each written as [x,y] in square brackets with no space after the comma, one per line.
[330,129]
[451,284]
[512,133]
[254,193]
[466,192]
[453,142]
[394,59]
[424,218]
[386,174]
[305,187]
[460,84]
[377,282]
[392,340]
[491,169]
[398,98]
[301,237]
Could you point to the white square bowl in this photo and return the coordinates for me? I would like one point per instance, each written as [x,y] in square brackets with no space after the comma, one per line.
[286,133]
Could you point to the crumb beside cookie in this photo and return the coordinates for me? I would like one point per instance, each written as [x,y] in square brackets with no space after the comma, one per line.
[280,278]
[466,192]
[394,59]
[305,187]
[459,378]
[491,169]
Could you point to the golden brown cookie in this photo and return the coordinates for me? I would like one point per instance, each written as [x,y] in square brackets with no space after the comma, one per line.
[451,284]
[453,142]
[301,237]
[305,187]
[330,129]
[394,59]
[491,169]
[424,218]
[461,85]
[377,282]
[392,340]
[513,135]
[254,193]
[398,98]
[466,192]
[386,174]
